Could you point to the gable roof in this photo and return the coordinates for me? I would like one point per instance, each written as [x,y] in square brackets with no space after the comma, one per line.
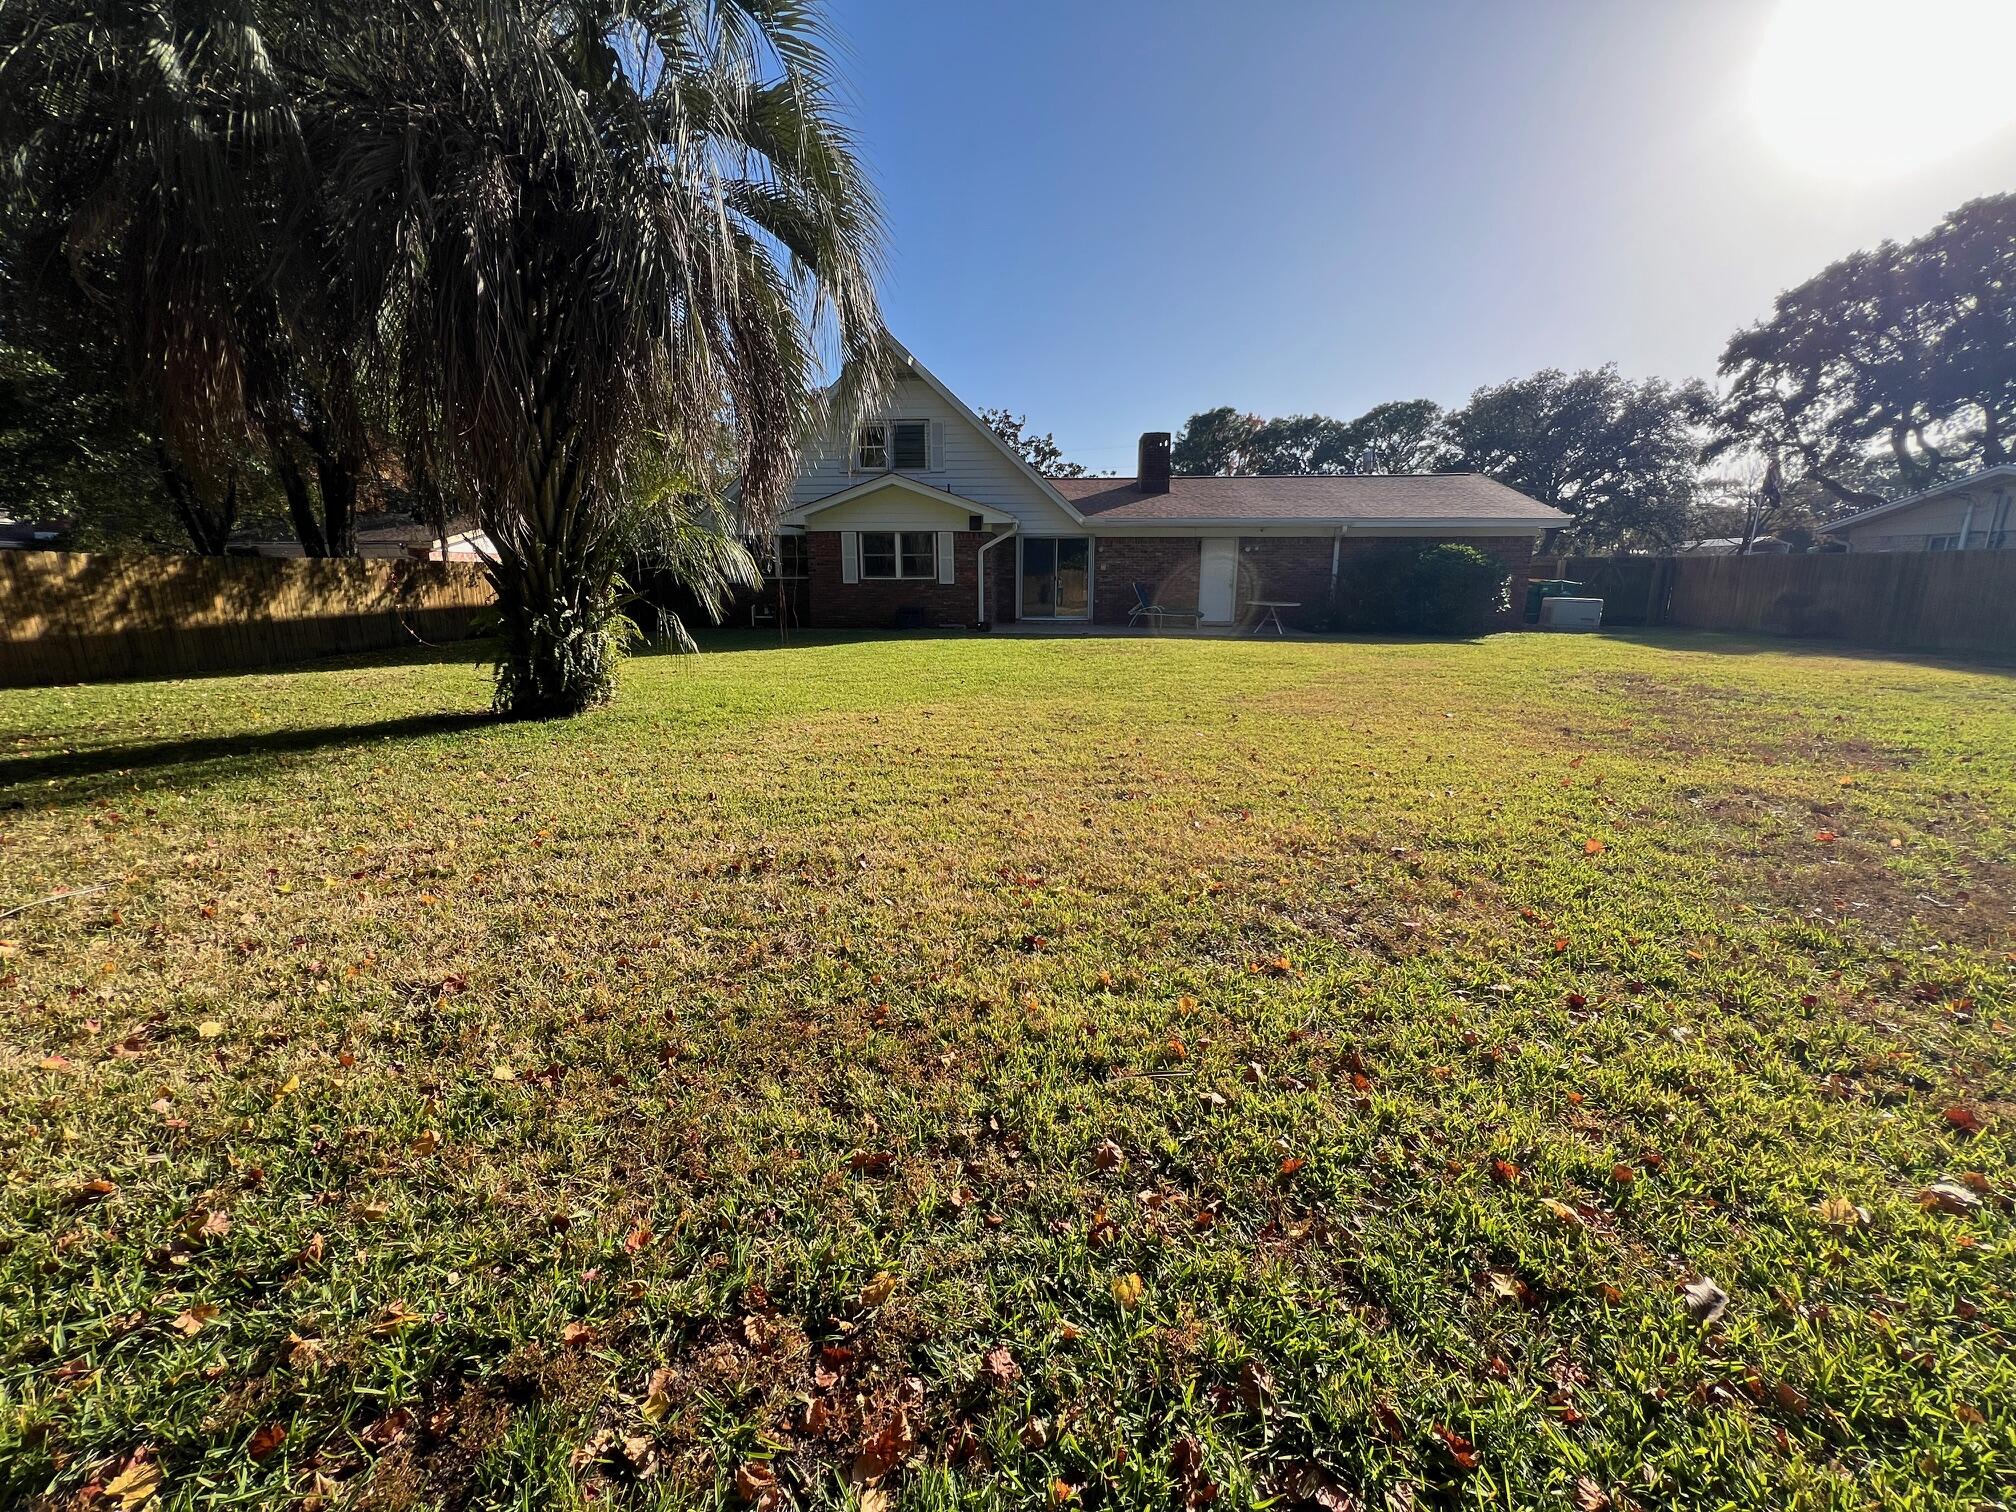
[1937,491]
[931,381]
[1294,499]
[876,482]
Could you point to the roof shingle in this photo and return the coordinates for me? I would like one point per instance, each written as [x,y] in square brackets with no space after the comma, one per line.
[1425,498]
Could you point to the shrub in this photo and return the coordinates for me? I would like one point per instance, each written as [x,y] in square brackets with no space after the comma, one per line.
[1440,588]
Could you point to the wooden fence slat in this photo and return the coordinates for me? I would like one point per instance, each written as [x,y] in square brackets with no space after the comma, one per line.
[1958,601]
[76,617]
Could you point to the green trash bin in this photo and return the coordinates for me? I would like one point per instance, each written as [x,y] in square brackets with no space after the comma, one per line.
[1546,588]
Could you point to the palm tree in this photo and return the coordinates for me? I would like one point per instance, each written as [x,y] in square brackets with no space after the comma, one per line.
[549,251]
[602,236]
[155,175]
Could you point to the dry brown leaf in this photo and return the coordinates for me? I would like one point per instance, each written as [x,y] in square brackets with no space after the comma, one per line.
[191,1320]
[756,1484]
[879,1290]
[657,1396]
[1949,1197]
[136,1485]
[265,1440]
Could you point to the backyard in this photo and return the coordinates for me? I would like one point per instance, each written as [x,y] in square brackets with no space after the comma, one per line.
[917,1073]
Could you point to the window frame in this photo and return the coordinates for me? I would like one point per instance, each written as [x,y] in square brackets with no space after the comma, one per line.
[800,548]
[879,454]
[902,550]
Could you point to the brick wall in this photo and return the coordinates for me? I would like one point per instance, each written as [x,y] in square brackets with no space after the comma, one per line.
[1296,568]
[873,603]
[1277,567]
[1167,564]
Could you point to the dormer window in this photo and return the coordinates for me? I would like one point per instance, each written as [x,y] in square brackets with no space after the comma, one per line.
[904,445]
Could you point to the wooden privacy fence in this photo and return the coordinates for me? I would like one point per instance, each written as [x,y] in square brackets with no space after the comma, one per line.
[72,617]
[1959,601]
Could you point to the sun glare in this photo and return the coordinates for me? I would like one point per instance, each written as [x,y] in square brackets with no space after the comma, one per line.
[1874,88]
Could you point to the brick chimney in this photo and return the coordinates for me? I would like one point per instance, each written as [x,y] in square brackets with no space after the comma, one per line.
[1152,473]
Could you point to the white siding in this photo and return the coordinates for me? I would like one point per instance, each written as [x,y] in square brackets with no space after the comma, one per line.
[971,465]
[890,509]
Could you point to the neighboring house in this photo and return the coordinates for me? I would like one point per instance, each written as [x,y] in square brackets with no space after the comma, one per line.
[1762,545]
[924,516]
[1974,513]
[33,535]
[385,534]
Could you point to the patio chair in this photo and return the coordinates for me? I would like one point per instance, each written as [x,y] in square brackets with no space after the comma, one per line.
[1146,608]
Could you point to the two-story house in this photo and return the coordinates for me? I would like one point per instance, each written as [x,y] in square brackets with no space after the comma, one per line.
[921,515]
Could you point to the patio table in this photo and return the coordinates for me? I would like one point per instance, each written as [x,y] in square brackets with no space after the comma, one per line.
[1271,611]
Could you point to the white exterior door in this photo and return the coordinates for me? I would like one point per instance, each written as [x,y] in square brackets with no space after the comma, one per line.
[1218,580]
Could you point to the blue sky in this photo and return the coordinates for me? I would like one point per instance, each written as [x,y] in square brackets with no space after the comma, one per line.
[1111,213]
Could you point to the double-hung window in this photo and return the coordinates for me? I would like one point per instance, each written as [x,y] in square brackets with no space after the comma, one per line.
[902,445]
[790,554]
[899,554]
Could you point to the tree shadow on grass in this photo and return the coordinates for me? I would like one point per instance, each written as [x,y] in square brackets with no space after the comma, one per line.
[1739,643]
[205,759]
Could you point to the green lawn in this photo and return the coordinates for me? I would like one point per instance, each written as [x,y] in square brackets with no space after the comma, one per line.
[918,1073]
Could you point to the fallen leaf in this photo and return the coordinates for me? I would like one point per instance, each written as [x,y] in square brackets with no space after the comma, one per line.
[209,1029]
[502,1072]
[136,1485]
[657,1396]
[1128,1291]
[1460,1449]
[1839,1212]
[1291,1165]
[1108,1156]
[1825,837]
[265,1440]
[1000,1364]
[1505,1172]
[1949,1197]
[1593,847]
[879,1290]
[1966,1120]
[1562,1211]
[1590,1497]
[1704,1300]
[191,1319]
[756,1484]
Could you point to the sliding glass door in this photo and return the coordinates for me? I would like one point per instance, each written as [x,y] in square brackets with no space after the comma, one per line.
[1056,577]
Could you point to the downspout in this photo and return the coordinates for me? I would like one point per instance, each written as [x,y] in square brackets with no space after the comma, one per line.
[1336,565]
[1966,525]
[980,560]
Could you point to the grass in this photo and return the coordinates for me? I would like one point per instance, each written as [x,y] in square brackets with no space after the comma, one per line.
[931,1073]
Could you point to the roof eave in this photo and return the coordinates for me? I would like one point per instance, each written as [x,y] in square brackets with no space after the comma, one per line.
[1925,495]
[1332,522]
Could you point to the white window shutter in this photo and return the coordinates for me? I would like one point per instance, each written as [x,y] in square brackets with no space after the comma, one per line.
[850,556]
[937,446]
[945,572]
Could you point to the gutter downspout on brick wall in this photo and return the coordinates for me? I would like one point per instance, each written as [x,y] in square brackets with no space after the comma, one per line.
[980,561]
[1336,565]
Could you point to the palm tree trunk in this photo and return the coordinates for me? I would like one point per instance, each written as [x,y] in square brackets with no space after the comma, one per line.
[554,595]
